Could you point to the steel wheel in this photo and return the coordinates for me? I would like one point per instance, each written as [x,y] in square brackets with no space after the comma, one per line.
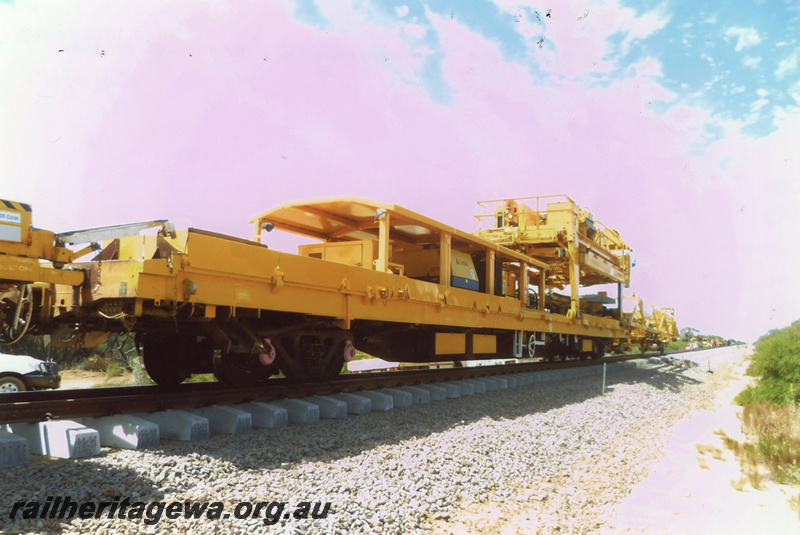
[162,355]
[238,370]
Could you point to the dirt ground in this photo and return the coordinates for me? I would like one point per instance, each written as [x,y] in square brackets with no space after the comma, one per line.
[75,379]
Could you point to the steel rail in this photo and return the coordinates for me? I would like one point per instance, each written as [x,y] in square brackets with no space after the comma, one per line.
[95,402]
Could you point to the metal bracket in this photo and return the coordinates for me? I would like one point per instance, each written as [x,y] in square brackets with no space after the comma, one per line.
[99,234]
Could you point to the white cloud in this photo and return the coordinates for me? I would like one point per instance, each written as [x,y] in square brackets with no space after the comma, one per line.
[746,37]
[751,62]
[787,65]
[648,67]
[574,45]
[648,23]
[414,32]
[714,79]
[794,92]
[762,92]
[758,104]
[737,89]
[709,59]
[401,11]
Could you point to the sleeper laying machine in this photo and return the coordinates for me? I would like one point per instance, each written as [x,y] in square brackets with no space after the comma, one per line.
[581,252]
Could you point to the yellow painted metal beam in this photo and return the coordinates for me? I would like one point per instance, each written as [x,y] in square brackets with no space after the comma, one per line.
[445,258]
[382,264]
[490,271]
[30,270]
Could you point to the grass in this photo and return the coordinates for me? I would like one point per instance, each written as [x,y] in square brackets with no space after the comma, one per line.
[676,345]
[739,484]
[702,449]
[201,378]
[773,441]
[755,477]
[115,369]
[795,505]
[715,452]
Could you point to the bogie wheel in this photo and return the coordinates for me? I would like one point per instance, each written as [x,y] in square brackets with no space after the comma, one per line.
[10,384]
[338,358]
[242,370]
[549,353]
[310,355]
[163,356]
[598,350]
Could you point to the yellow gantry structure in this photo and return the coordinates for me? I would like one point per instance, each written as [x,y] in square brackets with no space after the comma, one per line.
[655,329]
[387,238]
[578,249]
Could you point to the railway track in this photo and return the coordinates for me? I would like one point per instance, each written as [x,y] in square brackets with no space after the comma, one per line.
[67,404]
[396,471]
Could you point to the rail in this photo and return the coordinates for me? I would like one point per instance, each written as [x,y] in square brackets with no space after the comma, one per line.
[67,404]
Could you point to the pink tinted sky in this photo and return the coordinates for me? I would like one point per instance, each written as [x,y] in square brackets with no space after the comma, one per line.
[209,112]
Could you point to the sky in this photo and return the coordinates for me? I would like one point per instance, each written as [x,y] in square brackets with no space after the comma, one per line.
[677,123]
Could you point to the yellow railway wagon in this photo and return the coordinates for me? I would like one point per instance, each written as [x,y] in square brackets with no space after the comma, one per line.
[382,279]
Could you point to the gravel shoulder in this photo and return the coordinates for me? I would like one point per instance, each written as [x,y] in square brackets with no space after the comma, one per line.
[543,458]
[690,490]
[673,476]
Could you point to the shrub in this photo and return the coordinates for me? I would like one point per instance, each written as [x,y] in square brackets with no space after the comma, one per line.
[776,363]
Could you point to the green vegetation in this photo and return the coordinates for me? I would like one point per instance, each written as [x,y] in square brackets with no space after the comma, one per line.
[114,356]
[776,363]
[676,345]
[360,355]
[771,414]
[201,378]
